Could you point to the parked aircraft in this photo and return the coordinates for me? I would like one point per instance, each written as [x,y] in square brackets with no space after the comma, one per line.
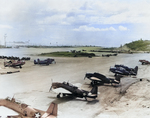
[26,111]
[14,63]
[144,62]
[44,62]
[74,91]
[124,70]
[99,79]
[126,67]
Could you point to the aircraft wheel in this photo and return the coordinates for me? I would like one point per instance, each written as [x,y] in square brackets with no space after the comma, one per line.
[64,95]
[58,96]
[84,94]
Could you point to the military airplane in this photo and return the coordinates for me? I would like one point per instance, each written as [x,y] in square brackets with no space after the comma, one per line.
[99,79]
[126,67]
[74,91]
[44,62]
[144,62]
[14,63]
[124,70]
[26,111]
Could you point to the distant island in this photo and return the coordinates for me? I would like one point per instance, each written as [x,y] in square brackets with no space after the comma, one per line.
[139,45]
[72,53]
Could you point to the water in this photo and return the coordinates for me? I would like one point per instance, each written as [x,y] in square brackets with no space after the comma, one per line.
[29,51]
[126,59]
[20,52]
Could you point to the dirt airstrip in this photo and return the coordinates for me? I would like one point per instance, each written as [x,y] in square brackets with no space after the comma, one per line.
[31,85]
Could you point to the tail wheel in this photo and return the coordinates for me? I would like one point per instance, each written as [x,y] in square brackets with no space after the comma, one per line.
[84,94]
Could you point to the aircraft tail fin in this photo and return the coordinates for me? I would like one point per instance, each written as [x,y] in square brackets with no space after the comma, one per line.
[136,70]
[34,61]
[52,110]
[118,77]
[85,77]
[94,90]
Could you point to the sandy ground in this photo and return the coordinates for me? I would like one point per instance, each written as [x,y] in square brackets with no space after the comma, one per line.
[31,86]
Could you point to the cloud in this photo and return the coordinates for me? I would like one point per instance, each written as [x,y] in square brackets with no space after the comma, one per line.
[6,27]
[122,28]
[70,19]
[93,29]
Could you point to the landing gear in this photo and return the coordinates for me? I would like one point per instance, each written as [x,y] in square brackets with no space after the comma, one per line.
[84,95]
[64,95]
[58,96]
[61,95]
[93,83]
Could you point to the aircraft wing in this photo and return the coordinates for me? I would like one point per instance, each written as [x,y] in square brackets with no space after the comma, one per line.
[16,116]
[61,90]
[95,78]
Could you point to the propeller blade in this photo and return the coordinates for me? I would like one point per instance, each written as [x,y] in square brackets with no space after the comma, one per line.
[50,89]
[51,85]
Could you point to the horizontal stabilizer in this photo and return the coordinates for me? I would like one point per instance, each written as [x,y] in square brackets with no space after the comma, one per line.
[118,77]
[52,110]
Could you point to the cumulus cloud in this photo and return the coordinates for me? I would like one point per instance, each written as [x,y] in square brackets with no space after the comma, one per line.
[93,29]
[122,28]
[38,18]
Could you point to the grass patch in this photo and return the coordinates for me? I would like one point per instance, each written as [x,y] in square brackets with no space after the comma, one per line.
[68,54]
[139,45]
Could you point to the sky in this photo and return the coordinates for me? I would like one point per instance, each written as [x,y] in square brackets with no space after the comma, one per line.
[107,23]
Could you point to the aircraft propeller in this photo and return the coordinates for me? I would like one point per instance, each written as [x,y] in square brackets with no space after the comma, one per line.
[50,89]
[84,77]
[51,85]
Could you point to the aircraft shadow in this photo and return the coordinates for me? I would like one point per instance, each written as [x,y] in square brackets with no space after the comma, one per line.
[62,99]
[108,85]
[69,98]
[93,101]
